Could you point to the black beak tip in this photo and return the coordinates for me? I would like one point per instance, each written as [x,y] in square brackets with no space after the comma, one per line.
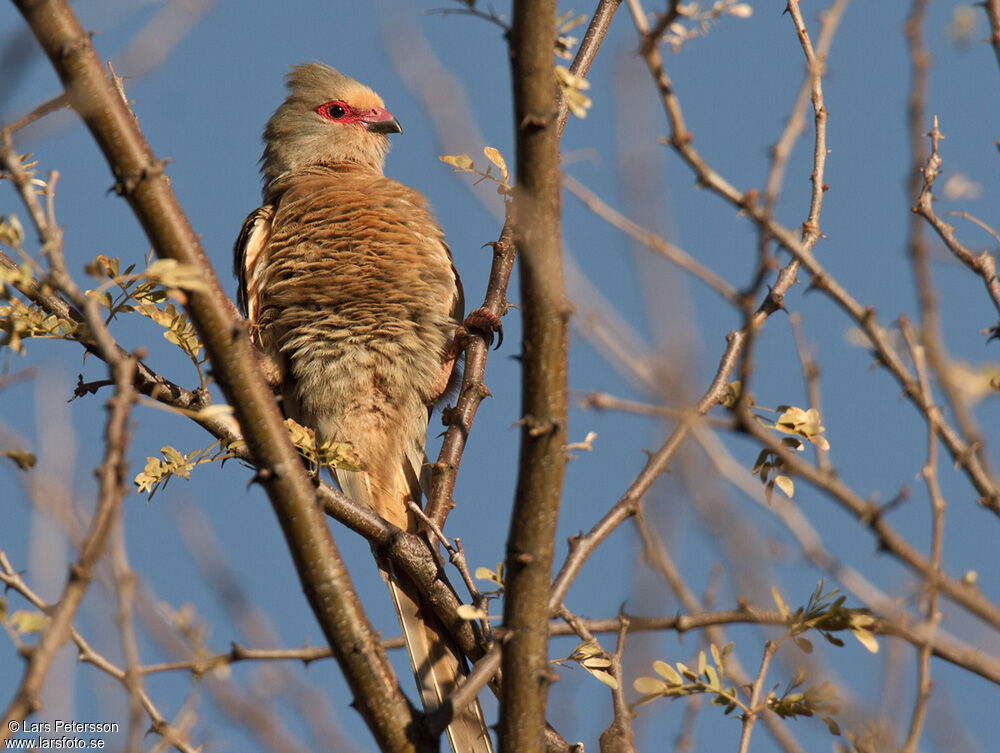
[385,126]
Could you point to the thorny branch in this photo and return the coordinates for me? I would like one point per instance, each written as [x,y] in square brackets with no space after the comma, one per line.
[544,365]
[111,472]
[983,264]
[864,316]
[930,474]
[159,724]
[141,180]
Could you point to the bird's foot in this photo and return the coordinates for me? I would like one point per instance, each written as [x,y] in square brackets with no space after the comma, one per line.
[484,321]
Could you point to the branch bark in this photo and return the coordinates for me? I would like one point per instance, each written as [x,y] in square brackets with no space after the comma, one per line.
[542,461]
[112,490]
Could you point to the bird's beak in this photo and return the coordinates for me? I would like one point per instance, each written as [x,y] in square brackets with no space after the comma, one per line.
[381,121]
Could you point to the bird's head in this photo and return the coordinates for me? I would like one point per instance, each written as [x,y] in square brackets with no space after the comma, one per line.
[327,119]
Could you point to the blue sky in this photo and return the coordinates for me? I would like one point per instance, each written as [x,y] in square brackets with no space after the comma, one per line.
[204,108]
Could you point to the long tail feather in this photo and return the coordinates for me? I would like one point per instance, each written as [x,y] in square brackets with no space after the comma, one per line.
[438,669]
[437,666]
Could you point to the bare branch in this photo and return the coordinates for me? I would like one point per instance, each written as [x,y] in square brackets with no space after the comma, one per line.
[111,490]
[618,737]
[544,363]
[666,249]
[141,180]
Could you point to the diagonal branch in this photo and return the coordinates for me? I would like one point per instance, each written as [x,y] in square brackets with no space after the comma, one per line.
[140,179]
[681,140]
[110,494]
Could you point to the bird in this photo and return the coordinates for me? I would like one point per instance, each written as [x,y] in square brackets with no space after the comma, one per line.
[354,305]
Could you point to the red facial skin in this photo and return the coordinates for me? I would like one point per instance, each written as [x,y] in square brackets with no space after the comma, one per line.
[363,118]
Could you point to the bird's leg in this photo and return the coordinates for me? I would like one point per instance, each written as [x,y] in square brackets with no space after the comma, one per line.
[485,321]
[482,320]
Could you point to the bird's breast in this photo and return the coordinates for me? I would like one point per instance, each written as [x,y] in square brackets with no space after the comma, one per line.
[357,288]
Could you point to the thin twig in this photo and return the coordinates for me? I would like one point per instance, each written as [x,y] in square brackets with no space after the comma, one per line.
[754,705]
[618,737]
[810,372]
[603,401]
[481,674]
[681,140]
[592,38]
[795,122]
[974,220]
[54,104]
[929,472]
[968,657]
[650,239]
[983,264]
[125,588]
[459,418]
[993,13]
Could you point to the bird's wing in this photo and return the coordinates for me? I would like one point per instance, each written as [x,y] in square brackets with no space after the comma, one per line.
[458,302]
[250,243]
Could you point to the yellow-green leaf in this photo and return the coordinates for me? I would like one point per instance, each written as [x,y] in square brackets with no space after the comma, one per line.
[24,459]
[779,601]
[26,621]
[171,273]
[460,161]
[785,484]
[497,159]
[11,231]
[866,639]
[649,686]
[604,677]
[667,672]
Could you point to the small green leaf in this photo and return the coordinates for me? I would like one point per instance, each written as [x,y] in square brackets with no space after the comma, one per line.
[24,459]
[716,656]
[649,686]
[497,159]
[26,621]
[866,639]
[778,600]
[667,672]
[733,392]
[713,678]
[785,484]
[603,676]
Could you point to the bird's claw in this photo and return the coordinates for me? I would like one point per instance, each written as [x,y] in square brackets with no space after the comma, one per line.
[486,322]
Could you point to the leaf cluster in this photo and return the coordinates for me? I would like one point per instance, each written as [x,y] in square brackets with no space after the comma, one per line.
[19,320]
[159,471]
[799,424]
[826,614]
[819,701]
[679,680]
[592,658]
[147,293]
[463,164]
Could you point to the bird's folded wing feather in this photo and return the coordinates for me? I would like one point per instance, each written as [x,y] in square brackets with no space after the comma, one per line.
[250,243]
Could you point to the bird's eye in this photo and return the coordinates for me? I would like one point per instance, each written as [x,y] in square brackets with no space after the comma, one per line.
[336,112]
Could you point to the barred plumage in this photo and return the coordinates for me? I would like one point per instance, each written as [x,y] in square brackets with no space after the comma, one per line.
[352,296]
